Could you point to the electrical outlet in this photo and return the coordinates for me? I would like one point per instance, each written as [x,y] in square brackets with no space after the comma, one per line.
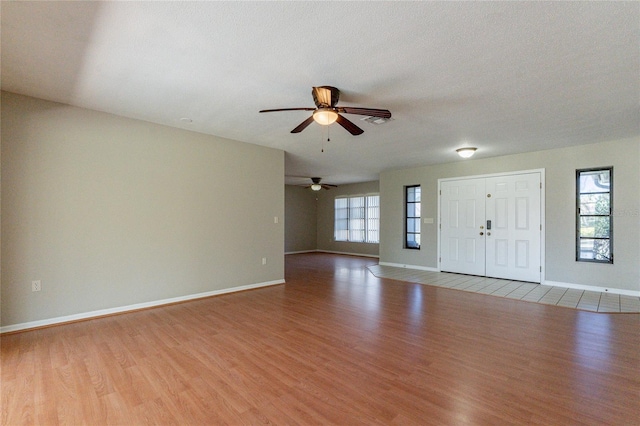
[264,260]
[36,285]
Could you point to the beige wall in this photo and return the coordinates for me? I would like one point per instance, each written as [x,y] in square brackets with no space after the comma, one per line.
[326,219]
[301,219]
[111,212]
[310,219]
[560,166]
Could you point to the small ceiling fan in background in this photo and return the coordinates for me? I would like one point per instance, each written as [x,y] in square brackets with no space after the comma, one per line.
[327,111]
[317,186]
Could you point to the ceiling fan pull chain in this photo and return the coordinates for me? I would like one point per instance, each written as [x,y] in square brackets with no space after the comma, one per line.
[328,139]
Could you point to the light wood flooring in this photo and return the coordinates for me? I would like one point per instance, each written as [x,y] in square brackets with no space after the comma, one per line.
[334,345]
[587,300]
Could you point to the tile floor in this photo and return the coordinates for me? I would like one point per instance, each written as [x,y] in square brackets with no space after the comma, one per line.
[531,292]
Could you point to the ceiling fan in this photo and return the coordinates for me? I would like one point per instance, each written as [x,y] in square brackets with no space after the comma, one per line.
[327,112]
[317,186]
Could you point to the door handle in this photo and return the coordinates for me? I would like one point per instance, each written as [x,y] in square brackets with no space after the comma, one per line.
[482,233]
[488,224]
[488,233]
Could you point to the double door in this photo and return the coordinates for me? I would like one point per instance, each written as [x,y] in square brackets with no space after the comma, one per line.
[492,226]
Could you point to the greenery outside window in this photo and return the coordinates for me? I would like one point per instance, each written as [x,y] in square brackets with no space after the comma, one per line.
[594,220]
[412,217]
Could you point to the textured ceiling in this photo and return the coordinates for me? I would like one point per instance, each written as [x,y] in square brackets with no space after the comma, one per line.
[505,77]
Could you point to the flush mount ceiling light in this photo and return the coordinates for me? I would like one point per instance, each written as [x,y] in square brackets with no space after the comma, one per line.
[466,152]
[325,116]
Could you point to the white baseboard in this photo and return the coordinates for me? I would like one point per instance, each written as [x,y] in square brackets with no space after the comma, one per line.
[401,265]
[129,308]
[333,252]
[633,293]
[349,254]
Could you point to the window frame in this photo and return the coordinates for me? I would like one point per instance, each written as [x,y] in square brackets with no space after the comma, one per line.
[367,230]
[416,219]
[580,215]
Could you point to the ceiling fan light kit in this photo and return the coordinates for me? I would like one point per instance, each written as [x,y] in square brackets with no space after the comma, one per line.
[316,187]
[466,152]
[325,116]
[327,111]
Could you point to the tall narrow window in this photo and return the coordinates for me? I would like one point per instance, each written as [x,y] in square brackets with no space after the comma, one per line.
[357,219]
[594,221]
[412,217]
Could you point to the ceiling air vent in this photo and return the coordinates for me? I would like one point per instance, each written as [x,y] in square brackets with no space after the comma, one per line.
[376,120]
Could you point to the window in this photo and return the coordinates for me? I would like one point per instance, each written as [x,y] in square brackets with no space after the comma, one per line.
[357,219]
[594,222]
[412,217]
[373,218]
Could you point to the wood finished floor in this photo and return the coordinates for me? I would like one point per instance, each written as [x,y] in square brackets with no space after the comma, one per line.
[335,345]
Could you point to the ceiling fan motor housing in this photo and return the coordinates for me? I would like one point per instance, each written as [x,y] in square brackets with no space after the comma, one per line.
[325,96]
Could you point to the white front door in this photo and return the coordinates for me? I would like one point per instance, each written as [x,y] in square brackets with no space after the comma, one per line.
[492,226]
[462,221]
[513,214]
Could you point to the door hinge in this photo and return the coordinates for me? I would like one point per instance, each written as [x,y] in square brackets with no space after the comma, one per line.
[440,259]
[541,227]
[541,269]
[540,185]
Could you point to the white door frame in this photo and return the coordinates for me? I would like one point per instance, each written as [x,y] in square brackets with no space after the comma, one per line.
[542,210]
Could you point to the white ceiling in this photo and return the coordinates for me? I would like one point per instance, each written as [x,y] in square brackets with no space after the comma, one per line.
[506,77]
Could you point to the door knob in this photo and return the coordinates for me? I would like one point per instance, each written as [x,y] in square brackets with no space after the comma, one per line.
[488,233]
[481,227]
[482,233]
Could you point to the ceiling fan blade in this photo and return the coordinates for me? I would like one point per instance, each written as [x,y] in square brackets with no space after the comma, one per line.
[351,128]
[325,96]
[372,112]
[327,186]
[287,109]
[303,125]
